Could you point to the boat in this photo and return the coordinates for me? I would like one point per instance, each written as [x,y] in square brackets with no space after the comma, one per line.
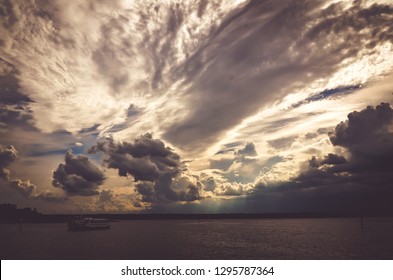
[85,223]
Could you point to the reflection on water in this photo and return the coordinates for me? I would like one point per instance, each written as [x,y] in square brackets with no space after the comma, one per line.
[208,239]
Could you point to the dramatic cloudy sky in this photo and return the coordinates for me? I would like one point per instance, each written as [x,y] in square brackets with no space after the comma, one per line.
[196,106]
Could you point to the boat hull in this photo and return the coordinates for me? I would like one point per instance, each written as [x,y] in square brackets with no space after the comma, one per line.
[85,224]
[83,228]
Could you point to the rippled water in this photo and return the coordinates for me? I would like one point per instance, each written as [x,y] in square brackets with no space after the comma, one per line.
[207,239]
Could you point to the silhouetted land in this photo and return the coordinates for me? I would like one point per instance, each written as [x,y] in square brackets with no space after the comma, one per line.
[9,213]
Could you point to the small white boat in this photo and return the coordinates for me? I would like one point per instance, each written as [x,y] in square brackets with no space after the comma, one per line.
[83,223]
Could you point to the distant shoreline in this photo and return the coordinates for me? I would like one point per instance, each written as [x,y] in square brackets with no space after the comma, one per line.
[58,218]
[9,213]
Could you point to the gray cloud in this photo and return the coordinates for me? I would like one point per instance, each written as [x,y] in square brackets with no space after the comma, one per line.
[353,22]
[7,156]
[366,126]
[333,159]
[248,150]
[239,155]
[330,159]
[156,169]
[146,159]
[223,164]
[78,176]
[229,147]
[14,106]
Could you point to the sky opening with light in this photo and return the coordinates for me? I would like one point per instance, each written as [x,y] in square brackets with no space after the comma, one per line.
[196,106]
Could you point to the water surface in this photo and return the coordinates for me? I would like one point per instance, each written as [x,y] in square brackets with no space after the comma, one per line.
[204,239]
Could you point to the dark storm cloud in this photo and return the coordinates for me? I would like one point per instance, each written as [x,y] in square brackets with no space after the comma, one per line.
[333,159]
[155,168]
[368,125]
[78,176]
[146,159]
[369,138]
[330,158]
[271,47]
[363,181]
[163,190]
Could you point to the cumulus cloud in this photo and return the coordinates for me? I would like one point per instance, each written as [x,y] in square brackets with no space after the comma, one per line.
[146,159]
[360,182]
[51,197]
[7,156]
[361,127]
[233,189]
[112,201]
[156,169]
[368,136]
[26,188]
[78,176]
[236,174]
